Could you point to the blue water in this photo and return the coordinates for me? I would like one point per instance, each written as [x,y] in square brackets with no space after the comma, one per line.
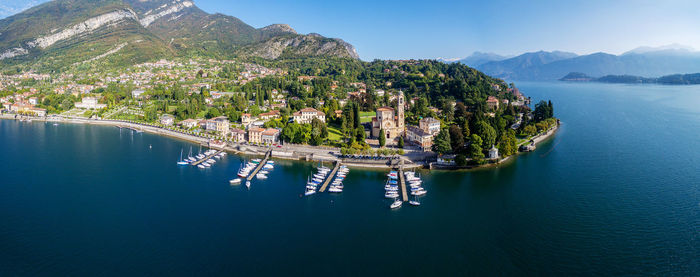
[615,192]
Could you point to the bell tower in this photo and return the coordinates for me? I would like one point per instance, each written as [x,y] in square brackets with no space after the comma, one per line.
[400,113]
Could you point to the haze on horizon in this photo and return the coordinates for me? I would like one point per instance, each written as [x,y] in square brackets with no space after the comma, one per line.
[452,29]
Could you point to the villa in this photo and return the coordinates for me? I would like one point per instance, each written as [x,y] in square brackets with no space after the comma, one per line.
[307,115]
[90,103]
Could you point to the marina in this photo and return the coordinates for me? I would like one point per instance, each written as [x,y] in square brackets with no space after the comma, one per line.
[260,165]
[330,177]
[207,158]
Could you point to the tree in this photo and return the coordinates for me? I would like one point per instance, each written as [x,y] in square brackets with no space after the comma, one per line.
[456,138]
[486,133]
[543,110]
[441,144]
[401,142]
[382,138]
[360,134]
[509,144]
[475,150]
[465,130]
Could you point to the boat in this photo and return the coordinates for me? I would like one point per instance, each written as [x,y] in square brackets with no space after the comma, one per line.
[335,189]
[264,172]
[397,203]
[235,181]
[261,176]
[211,161]
[182,162]
[205,164]
[418,193]
[268,166]
[247,184]
[201,166]
[256,161]
[309,192]
[414,202]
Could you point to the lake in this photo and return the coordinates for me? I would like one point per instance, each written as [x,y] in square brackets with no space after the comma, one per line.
[615,192]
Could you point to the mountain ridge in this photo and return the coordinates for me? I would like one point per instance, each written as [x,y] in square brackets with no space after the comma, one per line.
[59,30]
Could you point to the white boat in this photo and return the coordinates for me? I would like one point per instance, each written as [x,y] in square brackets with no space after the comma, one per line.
[418,193]
[414,202]
[309,192]
[391,195]
[334,189]
[211,161]
[247,184]
[235,181]
[264,172]
[201,166]
[397,203]
[181,161]
[261,176]
[268,166]
[205,164]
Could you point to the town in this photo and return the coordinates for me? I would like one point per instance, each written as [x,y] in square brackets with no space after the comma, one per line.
[242,103]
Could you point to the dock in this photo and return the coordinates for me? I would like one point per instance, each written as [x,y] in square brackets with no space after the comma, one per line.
[402,180]
[330,177]
[259,167]
[206,158]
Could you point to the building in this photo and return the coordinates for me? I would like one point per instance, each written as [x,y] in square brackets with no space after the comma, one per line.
[246,119]
[493,153]
[33,100]
[90,103]
[306,115]
[137,94]
[492,103]
[392,123]
[222,125]
[430,125]
[270,115]
[189,123]
[167,120]
[255,135]
[238,135]
[420,137]
[270,136]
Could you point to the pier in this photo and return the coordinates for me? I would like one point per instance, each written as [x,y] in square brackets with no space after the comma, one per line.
[402,180]
[260,166]
[330,177]
[206,158]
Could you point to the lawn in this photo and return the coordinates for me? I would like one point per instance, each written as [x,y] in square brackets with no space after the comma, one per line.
[366,116]
[334,134]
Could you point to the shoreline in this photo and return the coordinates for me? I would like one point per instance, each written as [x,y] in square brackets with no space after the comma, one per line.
[283,154]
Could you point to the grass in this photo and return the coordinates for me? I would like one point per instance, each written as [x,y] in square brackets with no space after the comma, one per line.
[334,134]
[366,116]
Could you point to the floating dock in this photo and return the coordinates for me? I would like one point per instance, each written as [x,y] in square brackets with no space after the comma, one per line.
[259,167]
[206,158]
[402,180]
[330,177]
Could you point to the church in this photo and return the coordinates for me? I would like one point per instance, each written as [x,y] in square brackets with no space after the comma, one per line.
[391,121]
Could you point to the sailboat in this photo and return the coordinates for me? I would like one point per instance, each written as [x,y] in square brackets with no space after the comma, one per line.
[182,162]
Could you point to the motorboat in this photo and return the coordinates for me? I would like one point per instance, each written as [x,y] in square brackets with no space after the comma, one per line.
[391,195]
[247,184]
[397,203]
[414,202]
[261,176]
[201,166]
[235,181]
[418,192]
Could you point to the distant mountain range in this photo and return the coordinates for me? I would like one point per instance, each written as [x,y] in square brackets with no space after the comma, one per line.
[675,79]
[645,62]
[60,33]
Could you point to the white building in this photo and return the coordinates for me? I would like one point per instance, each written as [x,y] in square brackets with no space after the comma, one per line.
[493,153]
[167,120]
[430,125]
[307,115]
[137,94]
[90,103]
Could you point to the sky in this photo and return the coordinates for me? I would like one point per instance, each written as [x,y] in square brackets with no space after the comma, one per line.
[395,29]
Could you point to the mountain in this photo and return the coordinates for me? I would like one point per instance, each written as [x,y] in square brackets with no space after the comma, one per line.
[60,33]
[643,62]
[480,58]
[675,79]
[516,67]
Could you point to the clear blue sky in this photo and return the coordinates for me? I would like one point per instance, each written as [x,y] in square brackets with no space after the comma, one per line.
[430,29]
